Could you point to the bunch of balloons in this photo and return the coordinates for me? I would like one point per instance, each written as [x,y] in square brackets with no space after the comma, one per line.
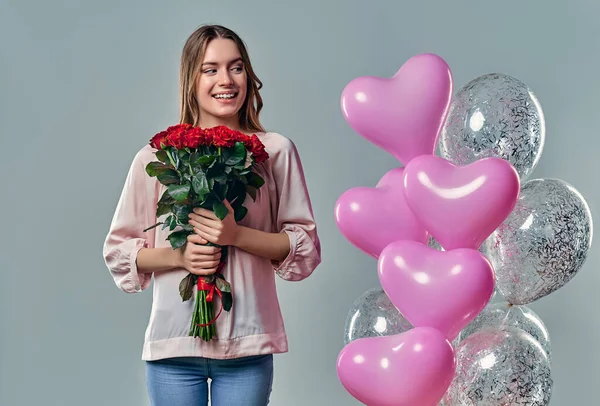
[450,231]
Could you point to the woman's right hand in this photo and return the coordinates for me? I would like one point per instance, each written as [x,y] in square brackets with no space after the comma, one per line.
[199,259]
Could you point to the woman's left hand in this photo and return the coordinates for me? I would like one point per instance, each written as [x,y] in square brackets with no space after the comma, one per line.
[208,226]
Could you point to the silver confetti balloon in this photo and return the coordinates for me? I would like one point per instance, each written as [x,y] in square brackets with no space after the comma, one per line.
[434,244]
[543,243]
[500,368]
[373,315]
[502,315]
[494,115]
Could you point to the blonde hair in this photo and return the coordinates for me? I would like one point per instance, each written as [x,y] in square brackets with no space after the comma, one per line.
[191,59]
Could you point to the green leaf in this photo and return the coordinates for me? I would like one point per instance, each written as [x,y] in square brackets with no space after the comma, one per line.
[162,156]
[167,222]
[175,156]
[255,180]
[163,208]
[223,285]
[227,300]
[200,184]
[169,177]
[236,193]
[252,192]
[240,213]
[220,191]
[186,288]
[179,192]
[182,211]
[215,170]
[209,279]
[220,210]
[226,154]
[183,155]
[172,223]
[237,155]
[155,168]
[188,227]
[178,238]
[221,177]
[205,160]
[166,198]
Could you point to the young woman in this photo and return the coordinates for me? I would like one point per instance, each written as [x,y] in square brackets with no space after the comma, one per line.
[277,237]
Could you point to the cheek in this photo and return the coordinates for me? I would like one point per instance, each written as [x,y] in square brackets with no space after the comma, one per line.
[203,88]
[242,84]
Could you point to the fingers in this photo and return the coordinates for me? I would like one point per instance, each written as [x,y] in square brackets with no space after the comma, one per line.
[228,205]
[199,220]
[199,259]
[207,225]
[208,214]
[200,263]
[207,263]
[204,250]
[203,272]
[206,232]
[197,239]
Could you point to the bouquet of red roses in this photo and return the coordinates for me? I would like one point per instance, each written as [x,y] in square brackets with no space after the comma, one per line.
[202,168]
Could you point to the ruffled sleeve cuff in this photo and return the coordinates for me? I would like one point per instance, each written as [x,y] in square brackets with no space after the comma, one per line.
[303,258]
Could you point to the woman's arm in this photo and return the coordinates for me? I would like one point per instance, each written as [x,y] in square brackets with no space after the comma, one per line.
[151,260]
[126,238]
[274,246]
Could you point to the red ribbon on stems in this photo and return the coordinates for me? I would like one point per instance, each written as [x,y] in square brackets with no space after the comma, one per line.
[211,288]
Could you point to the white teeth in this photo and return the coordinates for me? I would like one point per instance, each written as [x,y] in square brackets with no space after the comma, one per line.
[224,96]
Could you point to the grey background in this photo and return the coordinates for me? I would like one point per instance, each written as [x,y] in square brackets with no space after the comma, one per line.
[84,84]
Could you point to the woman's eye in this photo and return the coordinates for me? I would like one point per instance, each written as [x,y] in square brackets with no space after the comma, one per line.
[238,68]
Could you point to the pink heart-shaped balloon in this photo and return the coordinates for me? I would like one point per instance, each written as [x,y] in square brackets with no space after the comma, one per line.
[408,369]
[371,218]
[460,206]
[403,114]
[445,290]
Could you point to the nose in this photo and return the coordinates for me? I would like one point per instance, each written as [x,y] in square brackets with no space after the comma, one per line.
[225,79]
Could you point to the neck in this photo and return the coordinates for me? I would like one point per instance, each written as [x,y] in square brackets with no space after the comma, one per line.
[209,122]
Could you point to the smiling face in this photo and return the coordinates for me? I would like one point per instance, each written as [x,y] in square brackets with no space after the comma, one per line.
[221,85]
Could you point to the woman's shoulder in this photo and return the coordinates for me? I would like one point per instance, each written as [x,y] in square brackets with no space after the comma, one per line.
[276,143]
[145,154]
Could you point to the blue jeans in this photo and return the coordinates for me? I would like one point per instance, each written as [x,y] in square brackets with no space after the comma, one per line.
[184,381]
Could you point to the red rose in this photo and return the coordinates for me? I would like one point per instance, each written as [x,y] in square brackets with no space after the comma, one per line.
[224,137]
[176,135]
[193,137]
[258,149]
[207,137]
[158,139]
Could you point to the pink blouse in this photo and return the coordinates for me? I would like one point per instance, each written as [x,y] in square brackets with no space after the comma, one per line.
[254,325]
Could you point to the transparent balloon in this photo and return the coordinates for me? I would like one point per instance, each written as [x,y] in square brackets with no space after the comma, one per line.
[374,315]
[434,244]
[543,243]
[499,368]
[502,315]
[494,115]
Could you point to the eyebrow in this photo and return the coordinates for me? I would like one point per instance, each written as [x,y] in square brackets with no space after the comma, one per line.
[231,62]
